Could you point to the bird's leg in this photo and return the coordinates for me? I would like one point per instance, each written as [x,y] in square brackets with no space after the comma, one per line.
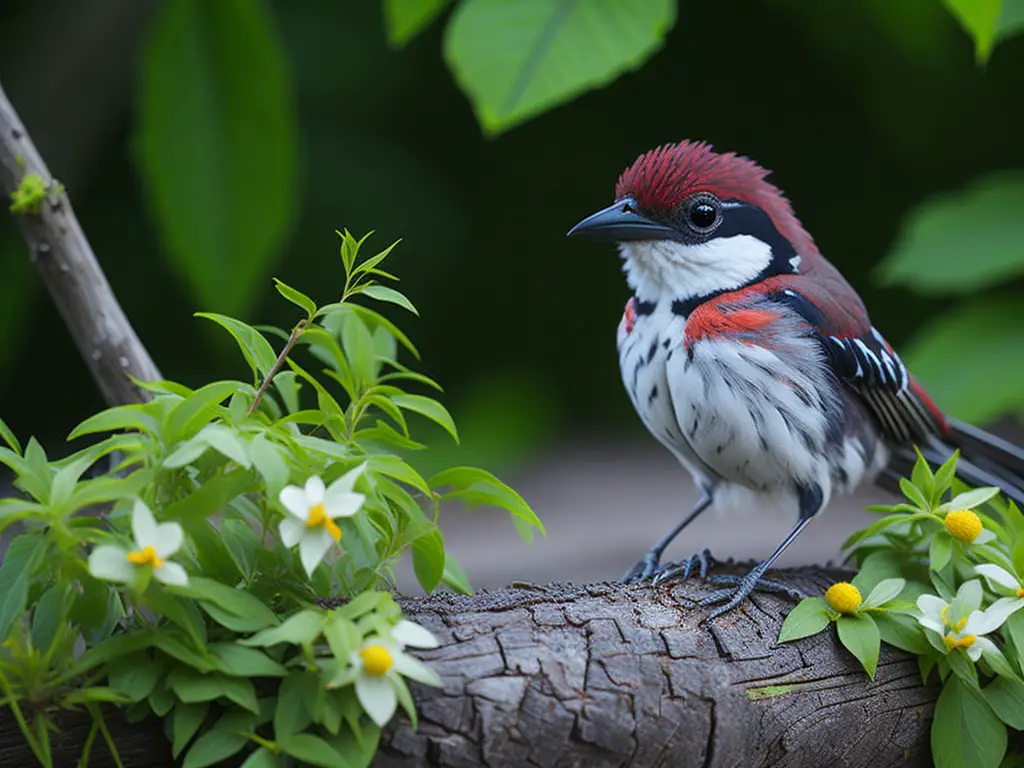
[811,502]
[681,569]
[649,565]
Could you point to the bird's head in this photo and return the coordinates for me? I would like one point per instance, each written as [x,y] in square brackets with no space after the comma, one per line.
[692,223]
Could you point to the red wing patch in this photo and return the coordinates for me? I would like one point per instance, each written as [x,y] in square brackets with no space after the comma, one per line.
[629,316]
[709,321]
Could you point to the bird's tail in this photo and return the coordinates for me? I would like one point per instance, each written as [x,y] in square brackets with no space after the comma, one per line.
[985,459]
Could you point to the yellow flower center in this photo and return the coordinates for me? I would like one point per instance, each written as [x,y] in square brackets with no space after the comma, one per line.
[843,597]
[146,556]
[1020,592]
[956,625]
[958,642]
[376,660]
[318,516]
[964,525]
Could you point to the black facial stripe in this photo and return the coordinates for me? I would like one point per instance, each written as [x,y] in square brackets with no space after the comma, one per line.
[739,218]
[642,307]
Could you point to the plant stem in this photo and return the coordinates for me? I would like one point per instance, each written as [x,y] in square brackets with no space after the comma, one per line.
[278,364]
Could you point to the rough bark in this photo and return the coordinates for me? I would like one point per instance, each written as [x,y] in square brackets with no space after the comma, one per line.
[61,253]
[607,675]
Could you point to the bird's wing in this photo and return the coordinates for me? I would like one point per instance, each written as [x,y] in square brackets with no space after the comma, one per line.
[861,358]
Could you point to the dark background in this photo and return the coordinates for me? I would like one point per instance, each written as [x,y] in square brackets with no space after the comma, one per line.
[861,109]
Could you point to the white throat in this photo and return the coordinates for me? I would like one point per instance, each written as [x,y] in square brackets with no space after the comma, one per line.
[658,268]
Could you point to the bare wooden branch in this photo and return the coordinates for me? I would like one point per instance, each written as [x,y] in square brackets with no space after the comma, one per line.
[606,675]
[61,253]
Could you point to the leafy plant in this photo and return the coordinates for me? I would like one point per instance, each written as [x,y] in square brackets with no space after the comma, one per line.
[228,569]
[942,574]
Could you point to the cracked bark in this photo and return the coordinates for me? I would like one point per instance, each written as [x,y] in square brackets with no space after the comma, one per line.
[608,675]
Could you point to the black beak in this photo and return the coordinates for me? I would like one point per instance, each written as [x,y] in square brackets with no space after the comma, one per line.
[620,222]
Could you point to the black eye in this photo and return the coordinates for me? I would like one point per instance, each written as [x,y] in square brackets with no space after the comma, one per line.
[703,215]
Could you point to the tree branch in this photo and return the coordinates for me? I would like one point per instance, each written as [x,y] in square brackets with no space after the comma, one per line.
[610,675]
[61,253]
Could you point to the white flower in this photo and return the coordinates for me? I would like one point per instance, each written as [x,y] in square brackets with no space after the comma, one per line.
[313,510]
[1003,583]
[961,623]
[154,543]
[379,665]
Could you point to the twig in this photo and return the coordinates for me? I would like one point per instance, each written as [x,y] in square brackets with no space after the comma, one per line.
[68,266]
[296,332]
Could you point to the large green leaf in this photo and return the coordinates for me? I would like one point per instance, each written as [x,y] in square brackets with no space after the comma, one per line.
[404,19]
[518,58]
[962,242]
[217,144]
[965,731]
[969,359]
[1011,20]
[980,19]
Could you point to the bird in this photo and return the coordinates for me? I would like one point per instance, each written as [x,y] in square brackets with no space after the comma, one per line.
[749,356]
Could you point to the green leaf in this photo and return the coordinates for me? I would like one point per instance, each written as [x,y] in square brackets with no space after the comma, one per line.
[428,560]
[390,295]
[134,417]
[477,486]
[197,409]
[980,19]
[112,648]
[970,499]
[981,220]
[312,750]
[809,617]
[192,688]
[242,661]
[185,722]
[393,466]
[213,747]
[9,437]
[255,348]
[1011,20]
[243,544]
[217,145]
[211,496]
[516,60]
[15,572]
[902,632]
[297,298]
[236,602]
[291,714]
[965,730]
[884,591]
[912,492]
[455,577]
[1006,697]
[404,19]
[173,644]
[357,344]
[963,667]
[859,633]
[981,335]
[301,627]
[223,440]
[262,758]
[136,675]
[940,550]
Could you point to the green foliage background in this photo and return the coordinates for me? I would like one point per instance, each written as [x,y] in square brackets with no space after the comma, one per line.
[217,143]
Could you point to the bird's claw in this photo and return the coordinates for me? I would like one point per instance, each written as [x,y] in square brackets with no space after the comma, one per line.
[745,586]
[650,569]
[681,570]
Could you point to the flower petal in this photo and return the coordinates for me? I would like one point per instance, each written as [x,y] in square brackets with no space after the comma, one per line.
[377,697]
[346,482]
[998,576]
[343,504]
[171,573]
[312,548]
[969,596]
[415,669]
[410,633]
[935,626]
[989,620]
[974,652]
[169,538]
[314,490]
[984,537]
[931,606]
[143,524]
[291,531]
[110,563]
[293,499]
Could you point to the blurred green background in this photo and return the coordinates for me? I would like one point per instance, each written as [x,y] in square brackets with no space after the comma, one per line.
[207,146]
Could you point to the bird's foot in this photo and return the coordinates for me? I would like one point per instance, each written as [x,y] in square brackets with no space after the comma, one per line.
[744,587]
[681,570]
[650,568]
